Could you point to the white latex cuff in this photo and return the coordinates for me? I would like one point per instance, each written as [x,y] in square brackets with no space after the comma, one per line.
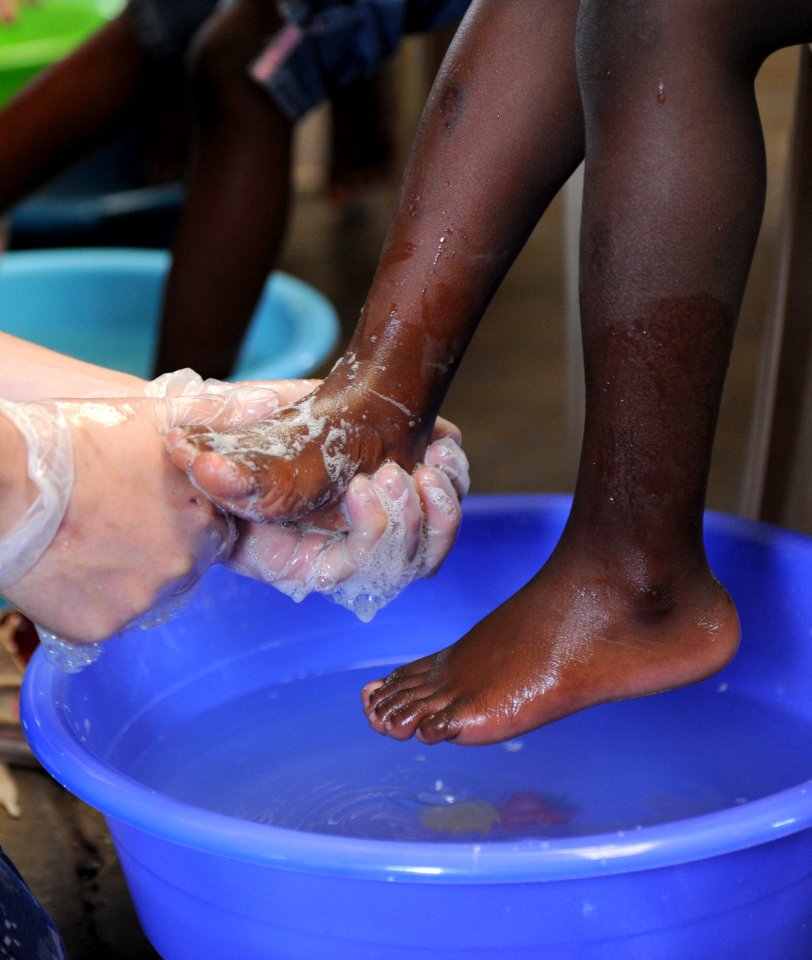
[50,466]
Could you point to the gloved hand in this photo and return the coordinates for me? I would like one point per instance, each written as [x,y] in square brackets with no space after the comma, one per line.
[116,530]
[387,531]
[134,537]
[393,529]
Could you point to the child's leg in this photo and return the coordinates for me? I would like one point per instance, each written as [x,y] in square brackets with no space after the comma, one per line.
[237,195]
[486,163]
[71,108]
[627,606]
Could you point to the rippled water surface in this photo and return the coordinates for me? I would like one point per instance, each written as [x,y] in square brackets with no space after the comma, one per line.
[301,755]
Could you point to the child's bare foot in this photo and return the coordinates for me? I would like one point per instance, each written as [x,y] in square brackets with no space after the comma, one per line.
[286,466]
[572,638]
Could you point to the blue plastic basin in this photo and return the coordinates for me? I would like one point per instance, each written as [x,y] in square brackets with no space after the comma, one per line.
[102,305]
[257,816]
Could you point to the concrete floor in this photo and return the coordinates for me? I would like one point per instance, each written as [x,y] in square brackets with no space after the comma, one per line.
[510,400]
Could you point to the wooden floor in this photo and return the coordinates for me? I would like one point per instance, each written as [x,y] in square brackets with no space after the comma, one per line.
[509,399]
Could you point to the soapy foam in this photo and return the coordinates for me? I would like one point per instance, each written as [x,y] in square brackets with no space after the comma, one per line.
[346,566]
[285,441]
[385,571]
[69,657]
[441,501]
[264,437]
[322,562]
[336,462]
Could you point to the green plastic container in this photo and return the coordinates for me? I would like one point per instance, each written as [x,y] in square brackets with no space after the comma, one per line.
[43,33]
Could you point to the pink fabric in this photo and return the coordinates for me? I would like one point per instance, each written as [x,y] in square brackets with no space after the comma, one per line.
[275,54]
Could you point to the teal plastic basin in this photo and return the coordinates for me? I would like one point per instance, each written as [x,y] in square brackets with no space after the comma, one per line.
[103,306]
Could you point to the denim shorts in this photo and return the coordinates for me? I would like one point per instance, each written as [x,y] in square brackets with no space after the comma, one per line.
[324,44]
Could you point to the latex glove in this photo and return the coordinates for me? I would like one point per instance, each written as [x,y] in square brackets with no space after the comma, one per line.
[135,533]
[385,532]
[396,528]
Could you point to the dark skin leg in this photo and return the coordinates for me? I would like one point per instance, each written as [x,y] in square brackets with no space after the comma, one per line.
[627,605]
[240,180]
[458,226]
[238,192]
[72,108]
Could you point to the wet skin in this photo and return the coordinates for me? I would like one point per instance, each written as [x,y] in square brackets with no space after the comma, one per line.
[455,231]
[571,638]
[626,606]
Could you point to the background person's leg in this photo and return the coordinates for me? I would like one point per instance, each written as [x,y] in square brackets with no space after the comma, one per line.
[71,108]
[238,189]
